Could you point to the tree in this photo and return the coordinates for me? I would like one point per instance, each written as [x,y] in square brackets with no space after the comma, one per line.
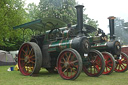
[126,24]
[90,22]
[121,30]
[12,13]
[63,10]
[33,11]
[60,9]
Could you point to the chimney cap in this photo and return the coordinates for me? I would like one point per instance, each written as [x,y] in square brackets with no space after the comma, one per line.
[79,6]
[111,17]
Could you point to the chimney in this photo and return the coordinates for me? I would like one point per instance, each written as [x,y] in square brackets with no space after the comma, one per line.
[79,9]
[111,26]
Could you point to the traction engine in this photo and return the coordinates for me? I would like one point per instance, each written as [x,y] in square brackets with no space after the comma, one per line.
[115,60]
[68,49]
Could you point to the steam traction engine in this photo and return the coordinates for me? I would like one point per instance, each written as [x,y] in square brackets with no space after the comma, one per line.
[111,50]
[68,49]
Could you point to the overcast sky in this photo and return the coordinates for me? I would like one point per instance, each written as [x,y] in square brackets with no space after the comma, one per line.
[101,9]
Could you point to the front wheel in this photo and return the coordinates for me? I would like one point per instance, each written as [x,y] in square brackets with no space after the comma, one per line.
[69,64]
[122,63]
[95,64]
[109,63]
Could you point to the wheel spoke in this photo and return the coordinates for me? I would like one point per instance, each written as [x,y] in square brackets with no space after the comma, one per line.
[65,70]
[32,56]
[109,64]
[109,67]
[98,63]
[74,71]
[97,68]
[74,62]
[71,70]
[75,66]
[24,52]
[69,57]
[109,61]
[30,51]
[64,59]
[121,67]
[66,56]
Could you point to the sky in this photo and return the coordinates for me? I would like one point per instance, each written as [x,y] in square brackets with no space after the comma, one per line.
[100,10]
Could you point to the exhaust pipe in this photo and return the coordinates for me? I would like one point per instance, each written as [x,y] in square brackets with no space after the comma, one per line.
[79,9]
[111,26]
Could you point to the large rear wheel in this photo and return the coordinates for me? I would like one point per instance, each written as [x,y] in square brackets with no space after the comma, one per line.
[109,63]
[69,64]
[95,64]
[122,63]
[29,59]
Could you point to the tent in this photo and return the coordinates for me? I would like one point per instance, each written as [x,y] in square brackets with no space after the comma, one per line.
[6,58]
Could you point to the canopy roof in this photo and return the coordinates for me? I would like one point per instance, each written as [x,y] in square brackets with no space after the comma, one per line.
[41,24]
[32,25]
[89,29]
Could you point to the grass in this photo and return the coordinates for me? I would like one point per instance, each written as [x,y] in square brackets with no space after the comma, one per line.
[45,78]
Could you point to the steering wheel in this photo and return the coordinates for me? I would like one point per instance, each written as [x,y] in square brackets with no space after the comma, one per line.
[54,33]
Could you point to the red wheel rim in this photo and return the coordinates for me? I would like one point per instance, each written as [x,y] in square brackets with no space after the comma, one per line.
[68,65]
[108,63]
[94,66]
[122,63]
[26,59]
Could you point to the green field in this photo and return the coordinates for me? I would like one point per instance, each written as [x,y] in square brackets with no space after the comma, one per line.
[45,78]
